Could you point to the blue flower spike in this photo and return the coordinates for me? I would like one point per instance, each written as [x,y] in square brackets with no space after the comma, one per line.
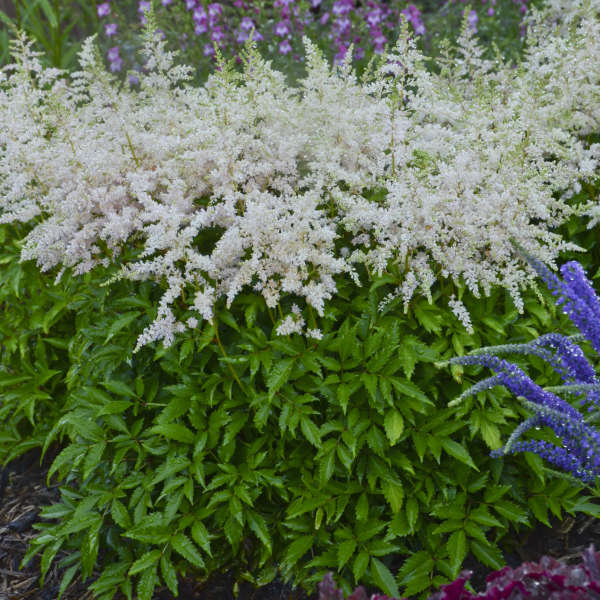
[579,454]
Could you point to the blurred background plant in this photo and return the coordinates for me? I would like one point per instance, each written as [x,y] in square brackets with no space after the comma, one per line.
[195,26]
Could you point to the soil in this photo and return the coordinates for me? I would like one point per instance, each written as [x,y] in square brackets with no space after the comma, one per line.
[23,492]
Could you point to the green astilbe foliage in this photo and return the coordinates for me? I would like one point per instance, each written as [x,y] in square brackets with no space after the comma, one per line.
[271,455]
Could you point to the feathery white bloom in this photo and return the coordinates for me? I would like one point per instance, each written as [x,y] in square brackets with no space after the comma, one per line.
[244,183]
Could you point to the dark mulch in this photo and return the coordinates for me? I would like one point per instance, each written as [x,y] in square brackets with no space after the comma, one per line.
[23,492]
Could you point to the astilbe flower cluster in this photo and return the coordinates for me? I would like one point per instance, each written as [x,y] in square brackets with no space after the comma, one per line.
[434,173]
[579,453]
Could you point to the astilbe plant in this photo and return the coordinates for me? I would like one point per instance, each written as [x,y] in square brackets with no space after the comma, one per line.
[579,454]
[246,182]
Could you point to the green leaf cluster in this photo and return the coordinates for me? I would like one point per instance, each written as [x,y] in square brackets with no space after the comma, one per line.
[239,449]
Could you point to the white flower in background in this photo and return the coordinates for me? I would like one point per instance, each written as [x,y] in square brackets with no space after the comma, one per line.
[434,172]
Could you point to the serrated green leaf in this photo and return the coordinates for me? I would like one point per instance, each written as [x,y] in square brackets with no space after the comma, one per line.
[146,561]
[67,577]
[408,388]
[393,493]
[539,508]
[92,458]
[310,431]
[457,451]
[510,511]
[344,552]
[457,550]
[120,514]
[412,512]
[393,425]
[537,465]
[201,536]
[279,374]
[494,493]
[326,466]
[259,526]
[147,583]
[359,565]
[120,323]
[362,508]
[185,547]
[119,388]
[474,531]
[297,549]
[173,431]
[488,554]
[370,383]
[377,441]
[384,578]
[169,574]
[481,515]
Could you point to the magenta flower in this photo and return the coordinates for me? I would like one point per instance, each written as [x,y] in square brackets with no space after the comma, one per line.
[209,50]
[491,12]
[143,6]
[110,29]
[103,9]
[200,28]
[214,10]
[200,16]
[113,53]
[324,18]
[281,29]
[342,26]
[342,7]
[374,17]
[217,35]
[247,24]
[166,2]
[473,19]
[284,47]
[190,4]
[315,3]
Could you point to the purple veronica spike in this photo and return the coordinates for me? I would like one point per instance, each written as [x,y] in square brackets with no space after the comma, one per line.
[518,382]
[581,302]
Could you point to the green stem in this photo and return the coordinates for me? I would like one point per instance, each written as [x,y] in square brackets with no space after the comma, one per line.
[214,324]
[137,162]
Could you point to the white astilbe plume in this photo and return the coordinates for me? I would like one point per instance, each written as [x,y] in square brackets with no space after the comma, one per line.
[429,173]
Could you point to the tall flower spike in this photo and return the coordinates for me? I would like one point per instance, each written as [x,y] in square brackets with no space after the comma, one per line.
[580,451]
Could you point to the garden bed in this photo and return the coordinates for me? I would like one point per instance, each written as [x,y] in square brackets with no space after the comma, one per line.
[23,492]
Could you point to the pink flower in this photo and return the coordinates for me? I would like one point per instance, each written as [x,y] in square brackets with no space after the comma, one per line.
[113,53]
[103,9]
[214,10]
[281,29]
[217,35]
[246,24]
[284,47]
